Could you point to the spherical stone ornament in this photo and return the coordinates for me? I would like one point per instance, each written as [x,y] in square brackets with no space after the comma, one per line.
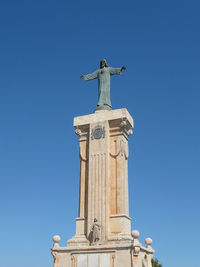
[56,239]
[135,234]
[148,241]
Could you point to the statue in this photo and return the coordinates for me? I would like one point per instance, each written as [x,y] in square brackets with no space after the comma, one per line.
[95,232]
[103,76]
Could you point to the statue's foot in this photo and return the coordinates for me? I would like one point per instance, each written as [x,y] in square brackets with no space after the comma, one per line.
[103,107]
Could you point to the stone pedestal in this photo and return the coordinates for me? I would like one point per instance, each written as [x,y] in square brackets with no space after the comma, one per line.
[110,255]
[103,194]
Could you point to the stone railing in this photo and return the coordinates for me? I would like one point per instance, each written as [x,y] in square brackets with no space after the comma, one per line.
[141,256]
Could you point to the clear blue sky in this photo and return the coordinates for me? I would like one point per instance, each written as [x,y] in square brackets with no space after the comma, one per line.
[44,47]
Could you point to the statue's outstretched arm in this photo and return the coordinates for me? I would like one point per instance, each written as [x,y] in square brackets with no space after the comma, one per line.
[91,76]
[116,70]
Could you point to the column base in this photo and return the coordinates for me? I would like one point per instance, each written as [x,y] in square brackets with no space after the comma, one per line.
[78,241]
[80,238]
[120,228]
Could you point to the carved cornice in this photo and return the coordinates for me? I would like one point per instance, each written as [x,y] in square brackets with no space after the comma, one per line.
[126,127]
[82,132]
[78,131]
[121,127]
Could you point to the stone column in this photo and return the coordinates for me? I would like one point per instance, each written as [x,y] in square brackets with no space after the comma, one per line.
[104,174]
[81,220]
[120,226]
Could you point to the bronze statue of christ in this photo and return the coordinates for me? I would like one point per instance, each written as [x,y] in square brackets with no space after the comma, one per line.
[103,75]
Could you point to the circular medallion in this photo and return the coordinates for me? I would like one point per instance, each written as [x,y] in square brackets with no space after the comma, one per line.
[98,133]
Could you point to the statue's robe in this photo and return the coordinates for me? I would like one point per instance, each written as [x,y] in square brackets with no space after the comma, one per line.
[103,76]
[95,232]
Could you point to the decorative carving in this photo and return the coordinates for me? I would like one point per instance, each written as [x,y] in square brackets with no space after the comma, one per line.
[123,124]
[82,157]
[113,260]
[72,261]
[82,132]
[78,132]
[118,151]
[98,132]
[54,258]
[126,127]
[123,149]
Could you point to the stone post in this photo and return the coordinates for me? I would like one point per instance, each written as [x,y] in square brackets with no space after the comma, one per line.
[136,248]
[103,175]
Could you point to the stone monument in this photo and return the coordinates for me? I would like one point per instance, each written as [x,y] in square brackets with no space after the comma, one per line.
[103,227]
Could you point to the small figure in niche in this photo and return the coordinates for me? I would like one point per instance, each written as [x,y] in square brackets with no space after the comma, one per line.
[95,232]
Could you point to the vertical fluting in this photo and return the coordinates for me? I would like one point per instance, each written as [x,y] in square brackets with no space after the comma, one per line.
[127,195]
[93,186]
[89,196]
[80,184]
[99,193]
[106,199]
[82,188]
[91,193]
[115,176]
[96,186]
[103,198]
[86,199]
[124,185]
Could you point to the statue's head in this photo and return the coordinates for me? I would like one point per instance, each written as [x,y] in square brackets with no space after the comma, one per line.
[95,220]
[103,63]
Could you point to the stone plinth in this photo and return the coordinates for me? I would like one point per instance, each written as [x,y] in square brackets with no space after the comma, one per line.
[110,255]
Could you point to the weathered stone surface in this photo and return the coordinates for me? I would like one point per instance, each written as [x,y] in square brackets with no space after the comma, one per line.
[110,255]
[82,261]
[104,175]
[103,194]
[93,260]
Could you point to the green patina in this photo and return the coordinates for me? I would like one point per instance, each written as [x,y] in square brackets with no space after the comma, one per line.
[103,75]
